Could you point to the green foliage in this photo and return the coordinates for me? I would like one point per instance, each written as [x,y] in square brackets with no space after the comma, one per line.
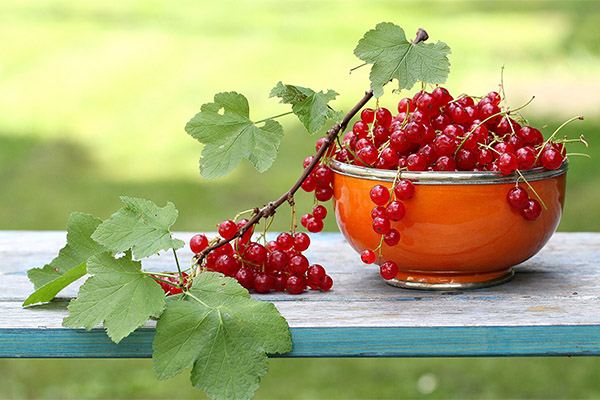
[394,57]
[310,107]
[118,294]
[224,333]
[229,136]
[70,264]
[141,226]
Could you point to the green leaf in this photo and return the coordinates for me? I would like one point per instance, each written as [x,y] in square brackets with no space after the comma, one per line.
[67,266]
[228,135]
[394,57]
[140,226]
[223,333]
[51,289]
[118,294]
[310,107]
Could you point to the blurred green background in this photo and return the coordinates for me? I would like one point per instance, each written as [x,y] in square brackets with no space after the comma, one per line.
[94,97]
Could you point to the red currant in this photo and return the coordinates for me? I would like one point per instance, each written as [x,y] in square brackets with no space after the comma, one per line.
[198,243]
[368,256]
[532,210]
[517,197]
[404,190]
[389,270]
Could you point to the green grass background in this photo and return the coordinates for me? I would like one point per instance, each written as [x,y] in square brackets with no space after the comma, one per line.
[94,97]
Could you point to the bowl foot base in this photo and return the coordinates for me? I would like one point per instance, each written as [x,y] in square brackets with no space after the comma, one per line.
[435,283]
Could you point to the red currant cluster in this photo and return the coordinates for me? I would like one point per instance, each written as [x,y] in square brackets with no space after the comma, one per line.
[278,266]
[436,132]
[388,208]
[320,182]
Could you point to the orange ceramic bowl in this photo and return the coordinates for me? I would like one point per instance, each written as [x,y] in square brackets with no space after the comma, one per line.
[458,231]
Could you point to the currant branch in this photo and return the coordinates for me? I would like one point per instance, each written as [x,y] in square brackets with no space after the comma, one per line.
[269,209]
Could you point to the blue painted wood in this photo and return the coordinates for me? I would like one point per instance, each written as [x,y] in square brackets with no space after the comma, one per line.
[478,341]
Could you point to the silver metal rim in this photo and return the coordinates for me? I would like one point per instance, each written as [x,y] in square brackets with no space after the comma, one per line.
[451,286]
[445,177]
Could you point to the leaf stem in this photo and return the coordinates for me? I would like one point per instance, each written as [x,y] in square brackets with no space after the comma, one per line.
[188,293]
[181,281]
[273,117]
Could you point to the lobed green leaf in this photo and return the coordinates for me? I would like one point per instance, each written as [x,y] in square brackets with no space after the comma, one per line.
[310,107]
[70,264]
[118,294]
[141,226]
[221,332]
[229,136]
[394,57]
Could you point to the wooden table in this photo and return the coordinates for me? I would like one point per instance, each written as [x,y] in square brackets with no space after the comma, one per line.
[550,308]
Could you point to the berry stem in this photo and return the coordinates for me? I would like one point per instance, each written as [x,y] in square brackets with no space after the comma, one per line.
[179,269]
[532,189]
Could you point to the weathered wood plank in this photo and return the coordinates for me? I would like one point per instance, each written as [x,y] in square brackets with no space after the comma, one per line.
[551,307]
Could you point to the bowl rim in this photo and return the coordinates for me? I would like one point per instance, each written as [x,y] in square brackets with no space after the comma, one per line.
[445,177]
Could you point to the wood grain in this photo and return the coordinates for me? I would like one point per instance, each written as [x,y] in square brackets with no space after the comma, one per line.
[551,307]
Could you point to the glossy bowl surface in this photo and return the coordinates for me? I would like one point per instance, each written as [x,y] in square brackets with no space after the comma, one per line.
[458,231]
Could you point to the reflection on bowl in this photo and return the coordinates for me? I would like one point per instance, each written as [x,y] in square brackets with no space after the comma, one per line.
[458,232]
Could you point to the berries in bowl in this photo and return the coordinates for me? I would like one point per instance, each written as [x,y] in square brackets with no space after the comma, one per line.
[451,195]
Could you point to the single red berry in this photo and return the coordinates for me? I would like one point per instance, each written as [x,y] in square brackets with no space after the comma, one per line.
[388,270]
[392,238]
[517,197]
[445,163]
[323,193]
[378,211]
[525,158]
[198,243]
[245,276]
[285,241]
[315,274]
[405,105]
[395,210]
[551,159]
[532,210]
[381,225]
[368,256]
[326,284]
[383,117]
[263,283]
[380,195]
[295,284]
[507,163]
[404,190]
[228,264]
[466,159]
[255,253]
[319,212]
[416,162]
[484,156]
[314,225]
[276,261]
[301,241]
[323,175]
[360,128]
[367,155]
[442,96]
[367,115]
